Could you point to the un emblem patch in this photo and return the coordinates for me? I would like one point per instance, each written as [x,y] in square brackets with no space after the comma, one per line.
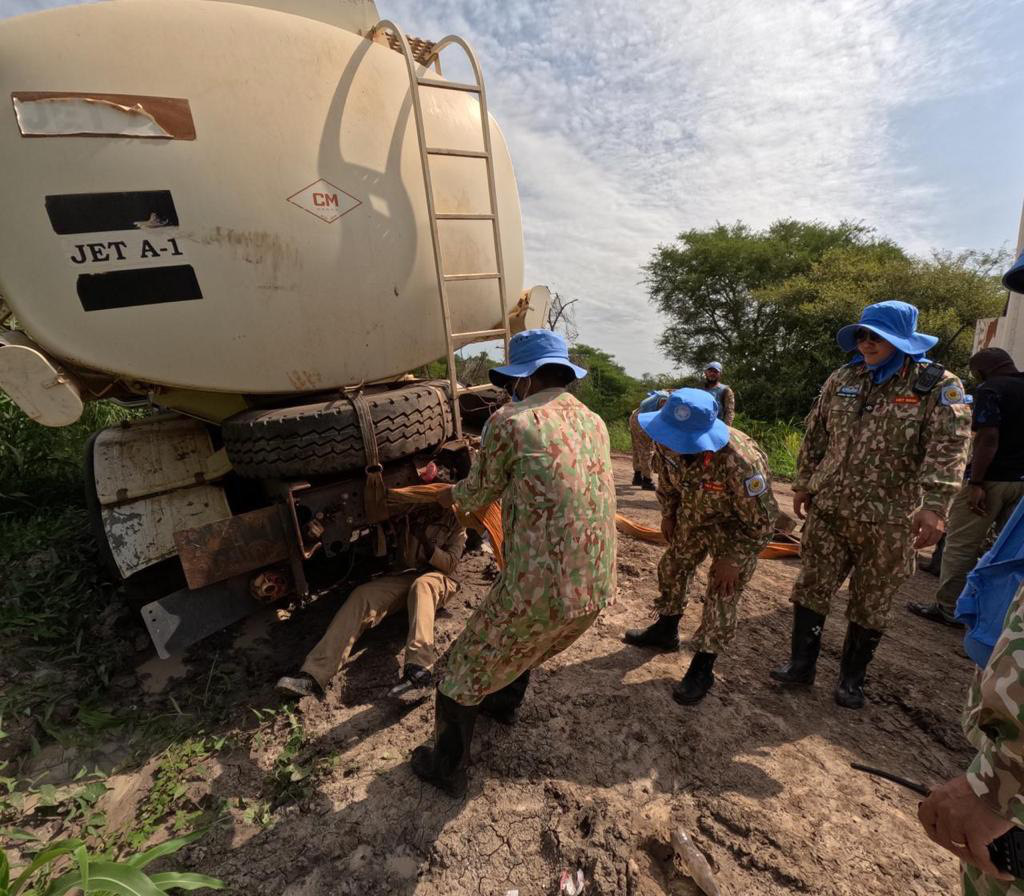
[952,395]
[756,485]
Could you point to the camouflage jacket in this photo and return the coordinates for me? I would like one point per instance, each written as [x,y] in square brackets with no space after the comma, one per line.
[548,459]
[994,721]
[730,489]
[726,399]
[878,453]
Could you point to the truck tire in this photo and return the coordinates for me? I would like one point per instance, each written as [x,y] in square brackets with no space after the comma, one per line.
[321,439]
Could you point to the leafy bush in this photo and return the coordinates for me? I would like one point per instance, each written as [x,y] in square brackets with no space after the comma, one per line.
[779,440]
[45,463]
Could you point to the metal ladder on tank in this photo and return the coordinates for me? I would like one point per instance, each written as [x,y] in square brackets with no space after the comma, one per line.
[416,82]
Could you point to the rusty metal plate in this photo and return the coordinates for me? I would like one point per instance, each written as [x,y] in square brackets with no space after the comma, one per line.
[227,548]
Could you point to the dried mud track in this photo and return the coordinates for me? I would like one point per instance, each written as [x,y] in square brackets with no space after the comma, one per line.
[601,763]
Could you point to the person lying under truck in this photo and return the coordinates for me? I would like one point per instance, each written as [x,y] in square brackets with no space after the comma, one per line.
[423,577]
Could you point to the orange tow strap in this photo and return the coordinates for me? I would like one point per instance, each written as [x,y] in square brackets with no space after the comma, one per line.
[487,519]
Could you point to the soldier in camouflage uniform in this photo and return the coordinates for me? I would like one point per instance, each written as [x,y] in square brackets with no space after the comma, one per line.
[965,814]
[882,457]
[547,458]
[716,498]
[724,395]
[643,447]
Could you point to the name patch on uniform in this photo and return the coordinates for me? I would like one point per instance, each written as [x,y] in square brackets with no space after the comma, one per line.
[849,391]
[952,395]
[906,399]
[756,485]
[714,487]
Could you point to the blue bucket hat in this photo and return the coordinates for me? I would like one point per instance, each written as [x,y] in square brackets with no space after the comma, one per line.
[714,365]
[532,349]
[1013,279]
[654,400]
[896,322]
[688,424]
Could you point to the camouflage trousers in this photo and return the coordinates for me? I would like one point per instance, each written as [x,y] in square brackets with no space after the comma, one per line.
[978,884]
[499,644]
[878,557]
[643,447]
[687,551]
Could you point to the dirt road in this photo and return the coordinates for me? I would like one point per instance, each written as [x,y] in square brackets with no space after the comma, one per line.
[600,765]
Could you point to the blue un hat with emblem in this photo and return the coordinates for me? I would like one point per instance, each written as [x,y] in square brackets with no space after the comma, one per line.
[532,349]
[688,423]
[895,322]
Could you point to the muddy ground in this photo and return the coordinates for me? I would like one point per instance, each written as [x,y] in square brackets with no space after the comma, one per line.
[596,772]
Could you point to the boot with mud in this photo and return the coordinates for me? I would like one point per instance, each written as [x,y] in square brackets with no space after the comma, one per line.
[663,634]
[697,681]
[638,477]
[858,650]
[804,648]
[302,684]
[503,705]
[444,764]
[647,484]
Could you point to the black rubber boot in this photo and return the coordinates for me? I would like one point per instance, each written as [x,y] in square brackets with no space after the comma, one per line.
[444,764]
[663,634]
[934,565]
[858,650]
[647,484]
[637,477]
[804,648]
[502,705]
[697,681]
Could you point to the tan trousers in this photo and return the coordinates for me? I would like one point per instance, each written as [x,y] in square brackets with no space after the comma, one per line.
[422,594]
[966,533]
[643,447]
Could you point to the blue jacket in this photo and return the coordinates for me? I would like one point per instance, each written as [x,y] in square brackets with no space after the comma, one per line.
[990,589]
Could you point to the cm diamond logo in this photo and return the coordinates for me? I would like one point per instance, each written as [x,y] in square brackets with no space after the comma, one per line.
[324,200]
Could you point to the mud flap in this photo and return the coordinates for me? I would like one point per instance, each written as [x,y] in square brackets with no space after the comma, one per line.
[178,621]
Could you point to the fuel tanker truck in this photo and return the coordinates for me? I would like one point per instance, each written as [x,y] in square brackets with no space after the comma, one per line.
[261,220]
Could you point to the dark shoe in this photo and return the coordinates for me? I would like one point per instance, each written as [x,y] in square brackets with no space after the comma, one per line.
[301,685]
[858,650]
[414,678]
[444,764]
[502,705]
[647,484]
[637,477]
[934,612]
[804,648]
[934,565]
[663,634]
[697,681]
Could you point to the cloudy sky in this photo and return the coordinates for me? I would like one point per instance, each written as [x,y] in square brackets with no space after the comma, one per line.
[629,122]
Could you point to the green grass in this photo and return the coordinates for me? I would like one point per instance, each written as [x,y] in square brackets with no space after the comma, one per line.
[618,433]
[779,440]
[57,603]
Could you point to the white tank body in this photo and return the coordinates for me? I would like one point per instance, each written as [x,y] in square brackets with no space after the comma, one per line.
[282,241]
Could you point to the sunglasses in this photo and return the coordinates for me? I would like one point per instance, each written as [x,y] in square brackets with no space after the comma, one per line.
[866,336]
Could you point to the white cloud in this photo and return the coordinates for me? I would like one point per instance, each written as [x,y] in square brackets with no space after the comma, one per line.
[629,123]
